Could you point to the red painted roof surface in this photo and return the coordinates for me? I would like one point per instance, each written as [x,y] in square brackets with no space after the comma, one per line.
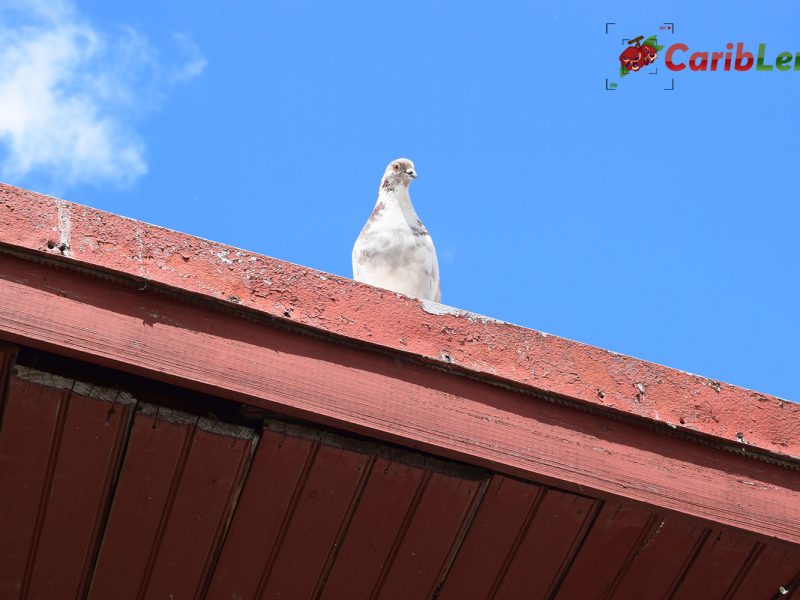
[320,438]
[442,334]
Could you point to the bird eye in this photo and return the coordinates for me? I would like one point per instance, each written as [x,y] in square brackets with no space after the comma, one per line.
[397,167]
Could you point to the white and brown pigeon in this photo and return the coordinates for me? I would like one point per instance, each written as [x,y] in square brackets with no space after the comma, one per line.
[394,250]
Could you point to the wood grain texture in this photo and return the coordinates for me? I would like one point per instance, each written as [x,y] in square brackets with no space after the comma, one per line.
[316,524]
[59,451]
[662,558]
[174,496]
[433,527]
[551,542]
[721,558]
[492,542]
[770,569]
[8,354]
[377,395]
[32,423]
[612,542]
[375,531]
[263,515]
[203,501]
[153,461]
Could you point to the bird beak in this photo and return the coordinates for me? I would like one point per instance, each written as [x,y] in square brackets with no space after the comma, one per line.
[412,173]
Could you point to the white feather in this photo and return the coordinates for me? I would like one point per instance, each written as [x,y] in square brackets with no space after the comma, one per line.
[394,250]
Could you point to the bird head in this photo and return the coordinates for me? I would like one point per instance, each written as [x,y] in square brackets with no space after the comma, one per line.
[399,172]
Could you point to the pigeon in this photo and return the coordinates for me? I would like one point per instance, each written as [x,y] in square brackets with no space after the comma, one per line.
[394,250]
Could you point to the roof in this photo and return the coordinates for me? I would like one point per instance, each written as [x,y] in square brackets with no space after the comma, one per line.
[320,437]
[441,334]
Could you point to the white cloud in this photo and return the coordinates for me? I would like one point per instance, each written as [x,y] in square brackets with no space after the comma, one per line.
[69,94]
[194,62]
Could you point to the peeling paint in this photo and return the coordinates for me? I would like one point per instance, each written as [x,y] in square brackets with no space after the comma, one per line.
[138,236]
[640,395]
[64,209]
[434,308]
[223,257]
[89,390]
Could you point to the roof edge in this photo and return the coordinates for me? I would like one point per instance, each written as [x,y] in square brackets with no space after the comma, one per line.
[440,334]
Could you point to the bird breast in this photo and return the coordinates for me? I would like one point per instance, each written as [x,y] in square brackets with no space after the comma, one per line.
[395,252]
[394,243]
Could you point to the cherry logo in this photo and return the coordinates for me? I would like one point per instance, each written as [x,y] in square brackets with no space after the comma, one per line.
[631,58]
[649,54]
[638,54]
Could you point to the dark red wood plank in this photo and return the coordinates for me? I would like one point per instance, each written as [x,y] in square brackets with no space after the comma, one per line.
[616,533]
[554,536]
[433,534]
[154,461]
[317,523]
[375,529]
[492,538]
[8,354]
[661,559]
[715,567]
[262,514]
[83,461]
[32,423]
[204,499]
[393,400]
[774,567]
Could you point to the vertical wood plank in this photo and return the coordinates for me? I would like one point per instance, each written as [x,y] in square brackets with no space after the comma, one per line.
[33,420]
[715,567]
[316,523]
[60,448]
[262,515]
[492,539]
[375,529]
[617,532]
[154,461]
[773,567]
[430,541]
[8,354]
[661,558]
[553,538]
[203,504]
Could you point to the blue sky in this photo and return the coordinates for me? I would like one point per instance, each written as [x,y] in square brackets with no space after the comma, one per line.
[660,224]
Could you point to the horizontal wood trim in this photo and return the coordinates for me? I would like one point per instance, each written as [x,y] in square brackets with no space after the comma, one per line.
[374,394]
